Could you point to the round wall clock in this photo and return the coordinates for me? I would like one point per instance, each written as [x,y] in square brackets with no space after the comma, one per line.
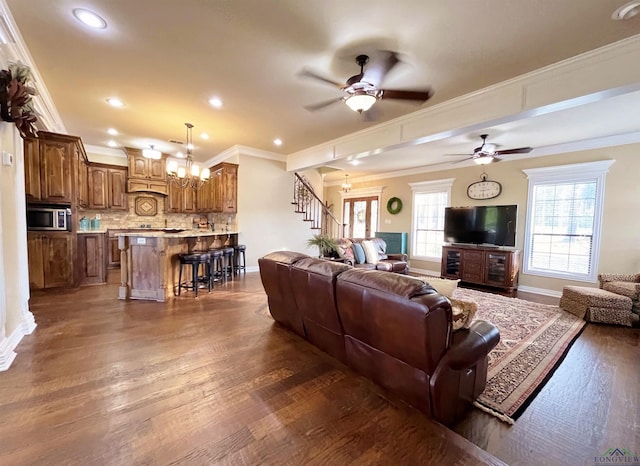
[485,189]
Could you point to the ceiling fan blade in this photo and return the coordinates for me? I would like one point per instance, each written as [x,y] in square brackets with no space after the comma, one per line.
[379,66]
[307,73]
[406,95]
[459,155]
[519,150]
[462,160]
[322,105]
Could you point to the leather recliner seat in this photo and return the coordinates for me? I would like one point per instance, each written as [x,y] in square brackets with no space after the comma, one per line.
[394,329]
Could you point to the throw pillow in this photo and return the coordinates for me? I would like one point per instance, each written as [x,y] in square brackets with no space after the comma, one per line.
[370,252]
[443,285]
[359,253]
[463,312]
[345,250]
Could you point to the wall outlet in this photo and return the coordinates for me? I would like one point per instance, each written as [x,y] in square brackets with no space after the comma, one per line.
[387,221]
[7,158]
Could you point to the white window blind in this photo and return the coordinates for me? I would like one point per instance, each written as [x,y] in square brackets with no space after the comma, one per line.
[564,220]
[429,201]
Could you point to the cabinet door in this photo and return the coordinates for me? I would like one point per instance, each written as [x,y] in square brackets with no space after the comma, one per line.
[117,182]
[472,266]
[114,253]
[98,194]
[83,184]
[58,259]
[32,169]
[55,171]
[35,254]
[157,170]
[91,258]
[138,166]
[188,200]
[230,189]
[173,203]
[450,263]
[496,268]
[216,190]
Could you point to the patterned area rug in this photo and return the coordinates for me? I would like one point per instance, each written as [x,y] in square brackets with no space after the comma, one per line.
[534,338]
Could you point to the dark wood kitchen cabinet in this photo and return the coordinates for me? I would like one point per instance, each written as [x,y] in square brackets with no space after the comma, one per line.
[49,163]
[146,175]
[224,179]
[50,258]
[92,260]
[107,187]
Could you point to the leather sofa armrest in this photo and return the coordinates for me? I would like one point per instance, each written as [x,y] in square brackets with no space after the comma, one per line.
[472,345]
[397,257]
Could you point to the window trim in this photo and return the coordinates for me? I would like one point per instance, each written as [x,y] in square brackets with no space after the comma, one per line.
[427,187]
[589,171]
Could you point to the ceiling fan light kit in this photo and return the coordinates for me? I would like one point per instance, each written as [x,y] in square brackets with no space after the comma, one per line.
[487,152]
[362,90]
[483,159]
[360,102]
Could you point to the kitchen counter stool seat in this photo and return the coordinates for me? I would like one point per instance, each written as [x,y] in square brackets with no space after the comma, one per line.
[195,260]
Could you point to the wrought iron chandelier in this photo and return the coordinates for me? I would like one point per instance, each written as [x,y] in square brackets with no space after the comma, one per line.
[189,174]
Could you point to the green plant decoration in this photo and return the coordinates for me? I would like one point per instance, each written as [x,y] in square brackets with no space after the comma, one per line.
[326,245]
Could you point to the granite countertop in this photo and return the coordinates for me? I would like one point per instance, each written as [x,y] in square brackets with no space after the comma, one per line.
[178,234]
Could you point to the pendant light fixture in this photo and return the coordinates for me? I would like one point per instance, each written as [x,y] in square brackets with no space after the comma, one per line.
[346,186]
[151,153]
[189,174]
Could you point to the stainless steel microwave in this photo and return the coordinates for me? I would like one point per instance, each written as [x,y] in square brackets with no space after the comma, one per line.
[52,218]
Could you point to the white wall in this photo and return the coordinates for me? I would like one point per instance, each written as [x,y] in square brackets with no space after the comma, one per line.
[266,218]
[15,318]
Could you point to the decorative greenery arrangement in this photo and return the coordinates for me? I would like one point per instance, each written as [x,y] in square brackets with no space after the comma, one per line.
[15,99]
[394,205]
[327,246]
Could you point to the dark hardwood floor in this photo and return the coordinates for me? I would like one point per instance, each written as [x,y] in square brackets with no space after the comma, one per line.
[214,381]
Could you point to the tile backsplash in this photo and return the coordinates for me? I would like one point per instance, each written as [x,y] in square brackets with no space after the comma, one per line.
[120,219]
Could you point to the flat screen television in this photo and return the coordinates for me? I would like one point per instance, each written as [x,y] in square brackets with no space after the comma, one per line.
[489,225]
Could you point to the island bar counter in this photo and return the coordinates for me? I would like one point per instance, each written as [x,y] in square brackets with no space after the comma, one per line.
[149,260]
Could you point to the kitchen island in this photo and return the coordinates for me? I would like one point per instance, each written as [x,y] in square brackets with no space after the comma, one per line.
[149,259]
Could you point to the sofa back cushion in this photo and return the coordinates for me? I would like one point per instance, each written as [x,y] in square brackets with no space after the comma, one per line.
[314,289]
[370,252]
[275,274]
[397,314]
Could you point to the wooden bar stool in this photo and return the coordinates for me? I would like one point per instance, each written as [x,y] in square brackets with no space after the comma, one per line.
[195,260]
[239,251]
[229,261]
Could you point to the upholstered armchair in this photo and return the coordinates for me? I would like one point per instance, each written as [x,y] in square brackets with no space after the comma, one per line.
[626,285]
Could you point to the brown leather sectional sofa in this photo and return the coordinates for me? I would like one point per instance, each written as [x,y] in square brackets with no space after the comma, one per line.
[391,328]
[388,262]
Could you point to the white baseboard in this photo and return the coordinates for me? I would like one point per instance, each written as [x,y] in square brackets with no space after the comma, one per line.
[253,268]
[7,345]
[540,291]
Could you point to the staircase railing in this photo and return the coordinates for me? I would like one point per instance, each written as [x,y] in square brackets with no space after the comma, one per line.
[307,202]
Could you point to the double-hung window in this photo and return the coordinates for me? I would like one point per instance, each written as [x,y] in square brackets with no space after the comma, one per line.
[564,217]
[429,201]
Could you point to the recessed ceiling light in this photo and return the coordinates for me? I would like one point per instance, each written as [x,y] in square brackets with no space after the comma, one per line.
[215,102]
[277,141]
[115,102]
[112,143]
[355,162]
[626,11]
[204,136]
[179,154]
[89,18]
[112,131]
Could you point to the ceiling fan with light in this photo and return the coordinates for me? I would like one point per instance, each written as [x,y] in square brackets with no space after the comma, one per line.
[362,90]
[487,153]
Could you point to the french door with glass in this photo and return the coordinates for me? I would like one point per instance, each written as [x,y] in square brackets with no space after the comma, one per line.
[360,217]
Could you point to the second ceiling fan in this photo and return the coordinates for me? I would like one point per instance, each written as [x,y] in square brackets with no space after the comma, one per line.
[487,153]
[362,90]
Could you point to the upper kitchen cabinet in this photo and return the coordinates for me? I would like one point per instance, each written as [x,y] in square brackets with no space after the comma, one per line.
[146,175]
[107,187]
[49,164]
[224,179]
